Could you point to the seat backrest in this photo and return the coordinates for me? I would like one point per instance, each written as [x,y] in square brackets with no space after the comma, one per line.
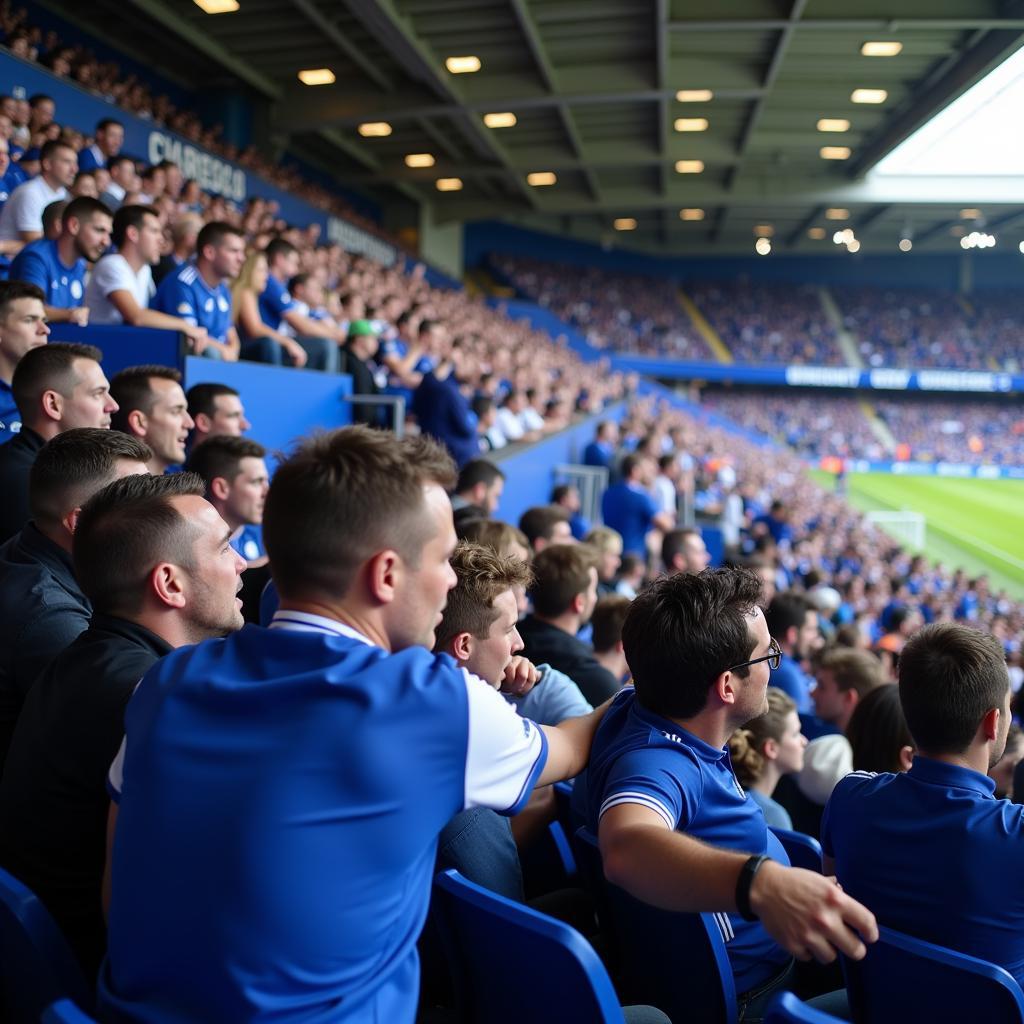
[785,1008]
[903,978]
[36,965]
[803,851]
[65,1012]
[512,964]
[676,962]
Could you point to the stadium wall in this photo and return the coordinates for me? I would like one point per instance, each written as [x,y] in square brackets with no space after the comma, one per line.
[922,270]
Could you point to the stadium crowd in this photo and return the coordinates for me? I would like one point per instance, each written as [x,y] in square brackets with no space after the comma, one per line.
[208,847]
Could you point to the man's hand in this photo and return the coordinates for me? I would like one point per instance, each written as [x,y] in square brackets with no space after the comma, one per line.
[79,316]
[521,677]
[809,915]
[197,338]
[296,353]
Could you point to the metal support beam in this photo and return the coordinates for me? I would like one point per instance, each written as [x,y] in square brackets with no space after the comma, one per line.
[890,25]
[794,237]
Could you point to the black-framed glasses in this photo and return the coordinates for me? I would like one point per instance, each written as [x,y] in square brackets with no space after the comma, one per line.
[774,659]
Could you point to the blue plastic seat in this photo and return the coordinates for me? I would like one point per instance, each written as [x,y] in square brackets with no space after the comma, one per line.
[511,964]
[803,851]
[906,979]
[676,962]
[65,1012]
[36,965]
[787,1009]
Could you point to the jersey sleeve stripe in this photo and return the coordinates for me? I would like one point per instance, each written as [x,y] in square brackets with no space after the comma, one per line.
[644,800]
[531,779]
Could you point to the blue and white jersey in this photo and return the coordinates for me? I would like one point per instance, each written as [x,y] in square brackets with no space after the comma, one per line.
[184,293]
[39,264]
[275,301]
[249,542]
[10,418]
[285,787]
[639,757]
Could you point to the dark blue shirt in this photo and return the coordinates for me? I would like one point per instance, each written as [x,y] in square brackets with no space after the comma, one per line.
[39,264]
[934,854]
[185,294]
[275,302]
[629,509]
[444,414]
[598,453]
[795,682]
[641,758]
[10,418]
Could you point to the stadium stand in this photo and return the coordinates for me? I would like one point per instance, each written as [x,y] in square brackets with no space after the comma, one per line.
[310,862]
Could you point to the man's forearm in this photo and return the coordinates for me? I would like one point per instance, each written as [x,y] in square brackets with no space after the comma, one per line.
[569,745]
[310,328]
[672,870]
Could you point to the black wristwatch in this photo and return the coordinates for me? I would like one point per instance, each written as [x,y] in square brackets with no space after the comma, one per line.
[743,884]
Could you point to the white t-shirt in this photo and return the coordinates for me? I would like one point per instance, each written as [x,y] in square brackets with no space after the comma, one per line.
[113,274]
[24,210]
[510,424]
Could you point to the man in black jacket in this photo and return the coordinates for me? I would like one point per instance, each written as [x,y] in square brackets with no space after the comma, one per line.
[42,608]
[564,594]
[356,355]
[152,556]
[56,387]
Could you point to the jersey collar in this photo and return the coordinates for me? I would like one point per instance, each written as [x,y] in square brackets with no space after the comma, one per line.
[305,622]
[950,776]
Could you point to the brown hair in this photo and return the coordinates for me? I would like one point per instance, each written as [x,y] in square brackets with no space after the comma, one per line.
[125,530]
[496,535]
[483,576]
[609,614]
[538,523]
[221,456]
[853,669]
[132,389]
[343,496]
[562,571]
[48,367]
[746,745]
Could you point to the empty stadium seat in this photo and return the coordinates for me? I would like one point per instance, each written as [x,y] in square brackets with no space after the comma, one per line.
[803,851]
[787,1009]
[487,937]
[37,965]
[676,962]
[906,979]
[65,1012]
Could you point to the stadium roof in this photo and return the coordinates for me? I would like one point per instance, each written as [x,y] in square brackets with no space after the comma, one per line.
[594,86]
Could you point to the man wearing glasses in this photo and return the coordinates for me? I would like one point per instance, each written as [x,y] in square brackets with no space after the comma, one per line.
[660,777]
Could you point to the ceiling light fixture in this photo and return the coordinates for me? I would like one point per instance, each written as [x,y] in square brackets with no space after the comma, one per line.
[695,95]
[541,178]
[834,152]
[764,230]
[906,244]
[505,119]
[217,6]
[689,166]
[462,65]
[970,214]
[624,224]
[449,184]
[317,76]
[762,247]
[691,213]
[833,124]
[837,213]
[375,130]
[853,245]
[869,96]
[880,48]
[691,124]
[419,160]
[816,233]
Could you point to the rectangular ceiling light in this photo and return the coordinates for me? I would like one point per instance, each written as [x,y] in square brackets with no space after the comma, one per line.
[689,166]
[869,96]
[691,213]
[835,152]
[449,184]
[217,6]
[419,160]
[541,178]
[691,124]
[695,95]
[462,65]
[970,214]
[317,76]
[837,213]
[505,119]
[833,124]
[624,224]
[816,233]
[879,48]
[764,230]
[375,130]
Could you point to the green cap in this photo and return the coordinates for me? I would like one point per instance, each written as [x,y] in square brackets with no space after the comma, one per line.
[360,328]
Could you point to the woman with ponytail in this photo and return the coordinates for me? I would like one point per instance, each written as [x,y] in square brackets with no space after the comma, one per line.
[764,750]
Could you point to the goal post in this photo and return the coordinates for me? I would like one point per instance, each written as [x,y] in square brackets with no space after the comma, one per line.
[907,527]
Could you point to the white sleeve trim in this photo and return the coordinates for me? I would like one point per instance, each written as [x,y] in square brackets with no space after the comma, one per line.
[115,777]
[505,753]
[643,800]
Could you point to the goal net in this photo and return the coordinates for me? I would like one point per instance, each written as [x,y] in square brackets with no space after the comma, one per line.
[906,527]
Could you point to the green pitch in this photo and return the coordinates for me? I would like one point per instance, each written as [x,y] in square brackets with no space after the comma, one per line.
[976,524]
